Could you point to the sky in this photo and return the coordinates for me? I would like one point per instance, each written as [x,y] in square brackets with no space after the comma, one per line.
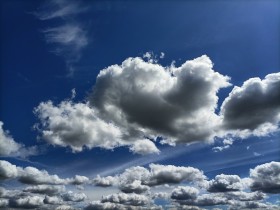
[140,104]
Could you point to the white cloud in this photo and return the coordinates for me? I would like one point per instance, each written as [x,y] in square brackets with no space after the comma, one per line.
[266,177]
[253,108]
[127,199]
[77,126]
[10,148]
[139,99]
[105,181]
[45,189]
[75,197]
[133,187]
[164,174]
[31,175]
[8,170]
[144,147]
[54,200]
[27,202]
[184,193]
[225,183]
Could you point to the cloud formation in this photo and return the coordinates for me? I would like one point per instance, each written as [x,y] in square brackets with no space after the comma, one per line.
[10,148]
[266,177]
[134,103]
[253,108]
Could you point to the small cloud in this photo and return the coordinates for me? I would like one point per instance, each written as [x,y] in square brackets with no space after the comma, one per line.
[10,148]
[257,154]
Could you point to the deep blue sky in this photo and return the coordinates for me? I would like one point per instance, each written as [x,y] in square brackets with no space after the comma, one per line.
[240,37]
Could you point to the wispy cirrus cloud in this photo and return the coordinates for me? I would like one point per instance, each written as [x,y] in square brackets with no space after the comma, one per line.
[68,38]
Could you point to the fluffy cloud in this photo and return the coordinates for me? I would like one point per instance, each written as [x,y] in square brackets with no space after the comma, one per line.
[147,99]
[34,176]
[184,193]
[79,180]
[45,189]
[77,126]
[136,100]
[97,205]
[27,202]
[253,108]
[133,187]
[139,179]
[104,181]
[266,177]
[76,197]
[127,199]
[54,200]
[144,147]
[8,170]
[163,174]
[225,183]
[31,175]
[8,146]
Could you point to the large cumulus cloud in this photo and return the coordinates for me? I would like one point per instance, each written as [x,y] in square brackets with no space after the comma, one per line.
[134,103]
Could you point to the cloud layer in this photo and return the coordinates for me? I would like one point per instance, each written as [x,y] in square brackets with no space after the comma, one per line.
[142,188]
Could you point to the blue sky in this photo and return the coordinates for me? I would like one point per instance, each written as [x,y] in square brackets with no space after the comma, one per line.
[100,89]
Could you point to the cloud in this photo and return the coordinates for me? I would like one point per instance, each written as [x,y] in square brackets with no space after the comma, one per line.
[225,183]
[59,9]
[69,38]
[7,170]
[10,148]
[45,189]
[127,199]
[164,174]
[75,197]
[79,180]
[184,193]
[76,125]
[54,200]
[27,202]
[180,100]
[105,181]
[266,177]
[226,144]
[34,176]
[245,196]
[253,108]
[144,147]
[97,205]
[31,175]
[133,187]
[3,203]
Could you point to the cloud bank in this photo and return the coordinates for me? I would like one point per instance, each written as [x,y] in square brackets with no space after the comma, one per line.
[141,188]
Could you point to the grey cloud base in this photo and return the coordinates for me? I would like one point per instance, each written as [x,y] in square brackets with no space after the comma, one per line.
[134,103]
